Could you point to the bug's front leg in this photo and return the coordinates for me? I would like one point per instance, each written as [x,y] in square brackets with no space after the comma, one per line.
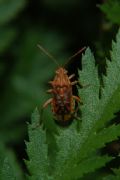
[71,76]
[78,83]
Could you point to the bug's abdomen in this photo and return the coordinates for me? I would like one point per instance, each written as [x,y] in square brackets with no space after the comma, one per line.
[62,104]
[63,108]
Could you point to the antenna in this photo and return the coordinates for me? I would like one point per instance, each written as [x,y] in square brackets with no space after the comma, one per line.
[71,57]
[47,53]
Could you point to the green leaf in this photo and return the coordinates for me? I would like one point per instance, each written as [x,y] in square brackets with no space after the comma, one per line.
[9,9]
[107,105]
[104,136]
[89,165]
[110,103]
[9,168]
[37,150]
[112,10]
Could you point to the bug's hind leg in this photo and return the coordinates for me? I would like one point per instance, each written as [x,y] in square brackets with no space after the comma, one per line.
[77,99]
[77,111]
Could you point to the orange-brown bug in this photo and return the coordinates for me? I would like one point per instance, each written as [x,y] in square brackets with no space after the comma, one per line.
[63,100]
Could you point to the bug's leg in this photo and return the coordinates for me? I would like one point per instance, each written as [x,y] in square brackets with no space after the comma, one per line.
[79,84]
[82,86]
[77,99]
[71,76]
[50,82]
[74,82]
[49,101]
[49,90]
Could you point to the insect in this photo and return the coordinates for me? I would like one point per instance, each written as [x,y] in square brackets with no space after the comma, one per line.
[63,101]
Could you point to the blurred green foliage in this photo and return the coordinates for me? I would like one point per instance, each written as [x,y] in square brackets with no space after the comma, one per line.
[62,27]
[9,168]
[10,9]
[112,10]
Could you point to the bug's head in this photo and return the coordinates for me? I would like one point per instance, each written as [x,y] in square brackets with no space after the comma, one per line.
[61,71]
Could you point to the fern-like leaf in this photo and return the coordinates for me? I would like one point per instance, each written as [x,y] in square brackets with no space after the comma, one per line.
[37,150]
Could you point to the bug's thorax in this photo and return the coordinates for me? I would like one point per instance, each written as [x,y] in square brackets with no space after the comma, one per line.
[61,83]
[61,78]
